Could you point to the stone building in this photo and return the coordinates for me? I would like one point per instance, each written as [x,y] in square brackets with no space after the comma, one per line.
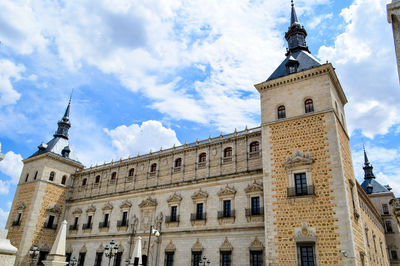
[1,155]
[280,194]
[393,10]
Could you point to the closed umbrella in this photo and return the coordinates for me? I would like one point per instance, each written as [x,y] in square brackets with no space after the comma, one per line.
[136,258]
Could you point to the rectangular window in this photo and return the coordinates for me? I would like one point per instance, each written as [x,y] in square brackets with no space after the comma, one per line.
[173,213]
[19,218]
[169,258]
[199,211]
[196,258]
[118,259]
[306,255]
[385,209]
[226,258]
[227,208]
[76,222]
[124,218]
[389,228]
[99,258]
[300,184]
[81,261]
[50,221]
[366,236]
[89,221]
[394,254]
[255,206]
[256,258]
[105,224]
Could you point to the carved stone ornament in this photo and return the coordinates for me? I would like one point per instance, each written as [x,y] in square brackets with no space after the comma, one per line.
[170,246]
[298,159]
[227,191]
[101,248]
[21,206]
[200,195]
[255,187]
[175,198]
[77,211]
[149,202]
[107,207]
[69,249]
[226,246]
[197,246]
[54,209]
[91,209]
[256,245]
[305,234]
[83,249]
[126,205]
[395,203]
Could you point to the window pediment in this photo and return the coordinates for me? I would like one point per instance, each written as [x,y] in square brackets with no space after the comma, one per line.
[227,191]
[305,234]
[298,159]
[21,206]
[200,195]
[197,246]
[255,187]
[149,202]
[91,209]
[170,246]
[107,207]
[77,211]
[175,198]
[126,205]
[256,245]
[54,209]
[226,246]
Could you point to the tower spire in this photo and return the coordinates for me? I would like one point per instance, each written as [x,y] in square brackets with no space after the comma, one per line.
[296,35]
[294,15]
[368,169]
[64,124]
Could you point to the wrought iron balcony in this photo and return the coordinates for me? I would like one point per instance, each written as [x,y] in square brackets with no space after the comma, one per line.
[226,214]
[198,216]
[16,223]
[293,192]
[172,219]
[104,224]
[254,154]
[50,226]
[87,226]
[122,223]
[73,227]
[255,211]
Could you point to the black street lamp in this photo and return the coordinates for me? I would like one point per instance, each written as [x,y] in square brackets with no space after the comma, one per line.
[111,251]
[205,260]
[73,262]
[34,252]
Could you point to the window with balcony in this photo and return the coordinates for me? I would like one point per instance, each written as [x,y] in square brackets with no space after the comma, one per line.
[74,226]
[255,206]
[227,208]
[199,211]
[309,106]
[281,112]
[300,184]
[227,155]
[88,224]
[124,220]
[105,222]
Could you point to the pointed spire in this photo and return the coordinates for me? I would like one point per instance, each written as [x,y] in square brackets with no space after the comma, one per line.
[64,124]
[368,169]
[293,16]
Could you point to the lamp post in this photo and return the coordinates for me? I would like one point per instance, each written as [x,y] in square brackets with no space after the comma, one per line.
[205,260]
[156,233]
[34,252]
[73,262]
[111,251]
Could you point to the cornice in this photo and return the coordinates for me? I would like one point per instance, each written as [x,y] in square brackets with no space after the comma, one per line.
[55,157]
[391,8]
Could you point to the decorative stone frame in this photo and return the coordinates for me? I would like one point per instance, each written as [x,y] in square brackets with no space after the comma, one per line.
[174,200]
[202,165]
[297,164]
[230,159]
[227,193]
[89,212]
[199,197]
[170,247]
[148,210]
[254,190]
[253,154]
[124,207]
[177,169]
[257,245]
[107,209]
[197,246]
[226,246]
[305,235]
[20,211]
[76,213]
[54,211]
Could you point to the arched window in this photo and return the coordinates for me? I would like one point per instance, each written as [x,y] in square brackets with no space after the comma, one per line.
[228,152]
[113,175]
[97,179]
[254,146]
[131,172]
[153,168]
[178,163]
[52,175]
[202,157]
[309,106]
[84,181]
[64,180]
[281,112]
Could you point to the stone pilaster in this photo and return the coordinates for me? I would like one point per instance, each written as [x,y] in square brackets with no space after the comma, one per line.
[393,14]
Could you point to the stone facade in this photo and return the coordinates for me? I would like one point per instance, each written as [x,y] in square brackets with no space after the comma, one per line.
[393,10]
[1,155]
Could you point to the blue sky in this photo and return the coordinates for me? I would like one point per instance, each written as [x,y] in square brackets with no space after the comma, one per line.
[156,73]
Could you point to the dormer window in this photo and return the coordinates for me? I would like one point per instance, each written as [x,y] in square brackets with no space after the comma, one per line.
[52,175]
[309,106]
[281,112]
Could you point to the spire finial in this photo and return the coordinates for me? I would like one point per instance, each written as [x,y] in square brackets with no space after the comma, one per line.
[368,169]
[292,2]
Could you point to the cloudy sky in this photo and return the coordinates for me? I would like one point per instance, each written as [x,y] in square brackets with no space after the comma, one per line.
[154,73]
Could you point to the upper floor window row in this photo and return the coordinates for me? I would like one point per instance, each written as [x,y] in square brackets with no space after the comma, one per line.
[308,108]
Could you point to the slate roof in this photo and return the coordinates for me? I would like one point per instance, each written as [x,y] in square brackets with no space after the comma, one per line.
[376,187]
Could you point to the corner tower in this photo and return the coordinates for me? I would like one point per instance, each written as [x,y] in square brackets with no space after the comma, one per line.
[39,201]
[311,200]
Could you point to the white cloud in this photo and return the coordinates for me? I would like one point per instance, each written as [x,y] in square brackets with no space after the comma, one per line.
[12,166]
[9,71]
[3,217]
[134,139]
[365,62]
